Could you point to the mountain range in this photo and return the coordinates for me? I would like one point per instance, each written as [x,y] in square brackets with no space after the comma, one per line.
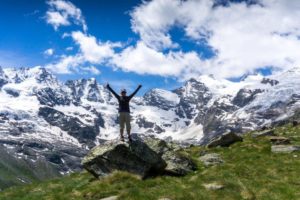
[47,126]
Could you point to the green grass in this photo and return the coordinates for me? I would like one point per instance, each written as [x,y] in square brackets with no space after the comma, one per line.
[250,171]
[14,171]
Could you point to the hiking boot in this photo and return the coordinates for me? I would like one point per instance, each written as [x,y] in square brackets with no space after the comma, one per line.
[130,139]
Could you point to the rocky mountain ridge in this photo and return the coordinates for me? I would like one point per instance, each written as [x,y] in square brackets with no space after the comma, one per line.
[44,119]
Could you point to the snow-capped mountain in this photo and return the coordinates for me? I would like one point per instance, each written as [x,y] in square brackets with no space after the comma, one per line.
[45,120]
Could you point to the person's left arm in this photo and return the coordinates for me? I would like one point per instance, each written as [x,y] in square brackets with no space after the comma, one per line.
[136,90]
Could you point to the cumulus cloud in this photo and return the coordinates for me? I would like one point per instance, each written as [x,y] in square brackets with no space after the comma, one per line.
[145,60]
[66,64]
[91,51]
[64,13]
[152,20]
[56,19]
[71,64]
[244,37]
[49,52]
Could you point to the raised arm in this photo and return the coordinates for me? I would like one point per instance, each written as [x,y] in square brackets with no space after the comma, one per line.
[136,90]
[112,91]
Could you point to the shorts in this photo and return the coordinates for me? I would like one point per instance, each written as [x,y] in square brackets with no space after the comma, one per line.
[124,118]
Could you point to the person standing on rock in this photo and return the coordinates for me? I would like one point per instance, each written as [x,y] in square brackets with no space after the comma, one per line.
[124,110]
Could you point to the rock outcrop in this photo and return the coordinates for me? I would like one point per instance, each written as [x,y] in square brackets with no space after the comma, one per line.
[278,140]
[177,164]
[213,186]
[268,132]
[211,159]
[284,148]
[225,140]
[145,158]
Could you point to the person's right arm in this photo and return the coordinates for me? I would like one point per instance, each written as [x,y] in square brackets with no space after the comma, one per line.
[136,90]
[112,91]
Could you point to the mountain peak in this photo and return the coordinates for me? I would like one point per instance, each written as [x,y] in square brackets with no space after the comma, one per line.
[158,95]
[40,74]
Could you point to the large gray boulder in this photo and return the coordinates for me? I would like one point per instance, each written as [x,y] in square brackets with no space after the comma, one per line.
[177,163]
[225,140]
[135,157]
[142,157]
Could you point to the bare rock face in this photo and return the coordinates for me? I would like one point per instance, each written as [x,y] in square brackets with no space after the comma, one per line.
[272,82]
[244,96]
[225,140]
[3,78]
[73,125]
[144,158]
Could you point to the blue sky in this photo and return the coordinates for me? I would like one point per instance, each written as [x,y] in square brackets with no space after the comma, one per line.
[27,35]
[156,43]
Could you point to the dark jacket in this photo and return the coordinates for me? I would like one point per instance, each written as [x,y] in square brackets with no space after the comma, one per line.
[123,100]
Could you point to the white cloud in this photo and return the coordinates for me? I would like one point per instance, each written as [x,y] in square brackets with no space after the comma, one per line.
[49,52]
[244,37]
[253,37]
[92,70]
[56,19]
[91,51]
[63,13]
[152,20]
[71,64]
[66,64]
[153,30]
[145,60]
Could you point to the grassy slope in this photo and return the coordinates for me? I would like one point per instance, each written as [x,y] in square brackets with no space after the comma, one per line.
[14,171]
[250,171]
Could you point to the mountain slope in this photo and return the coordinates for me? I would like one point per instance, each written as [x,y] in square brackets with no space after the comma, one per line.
[249,171]
[57,123]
